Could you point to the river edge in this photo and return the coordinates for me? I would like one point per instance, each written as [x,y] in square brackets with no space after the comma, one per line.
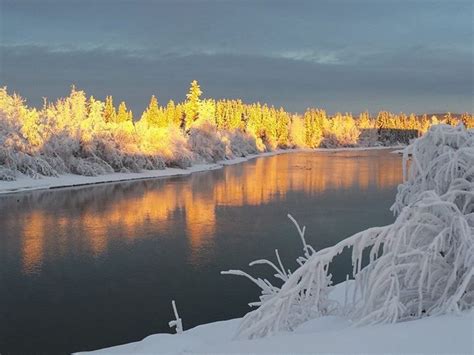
[25,183]
[445,334]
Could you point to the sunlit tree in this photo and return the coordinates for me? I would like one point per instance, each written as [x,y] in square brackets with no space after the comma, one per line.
[313,123]
[123,114]
[110,115]
[193,100]
[282,128]
[364,121]
[152,115]
[468,120]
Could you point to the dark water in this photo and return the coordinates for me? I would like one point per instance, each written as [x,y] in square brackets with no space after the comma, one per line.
[87,268]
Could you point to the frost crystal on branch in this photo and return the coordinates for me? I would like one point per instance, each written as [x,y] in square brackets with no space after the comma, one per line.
[421,265]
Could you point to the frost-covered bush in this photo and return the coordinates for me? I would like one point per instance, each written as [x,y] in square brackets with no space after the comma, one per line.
[238,144]
[206,143]
[421,265]
[7,174]
[89,166]
[438,159]
[166,143]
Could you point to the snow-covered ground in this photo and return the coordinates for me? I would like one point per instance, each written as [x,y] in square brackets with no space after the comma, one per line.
[26,183]
[448,334]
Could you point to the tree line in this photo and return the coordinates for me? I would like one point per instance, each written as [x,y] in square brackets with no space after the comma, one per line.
[275,127]
[84,135]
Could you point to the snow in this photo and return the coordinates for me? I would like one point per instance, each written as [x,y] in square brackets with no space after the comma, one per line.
[26,183]
[447,334]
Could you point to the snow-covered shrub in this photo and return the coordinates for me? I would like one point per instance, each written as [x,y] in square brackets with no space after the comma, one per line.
[182,157]
[7,174]
[238,144]
[206,143]
[167,144]
[369,137]
[421,265]
[91,166]
[437,160]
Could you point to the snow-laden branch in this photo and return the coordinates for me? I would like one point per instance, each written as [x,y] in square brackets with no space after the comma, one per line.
[177,323]
[421,265]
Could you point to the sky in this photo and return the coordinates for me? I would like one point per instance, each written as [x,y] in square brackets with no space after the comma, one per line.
[347,56]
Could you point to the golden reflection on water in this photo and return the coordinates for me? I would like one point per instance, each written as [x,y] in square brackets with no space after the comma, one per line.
[95,216]
[33,241]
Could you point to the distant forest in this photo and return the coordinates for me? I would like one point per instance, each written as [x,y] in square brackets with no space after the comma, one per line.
[82,135]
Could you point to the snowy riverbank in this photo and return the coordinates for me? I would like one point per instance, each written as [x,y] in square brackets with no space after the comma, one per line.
[448,334]
[25,183]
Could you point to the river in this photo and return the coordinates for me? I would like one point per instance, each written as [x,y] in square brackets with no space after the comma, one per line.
[91,267]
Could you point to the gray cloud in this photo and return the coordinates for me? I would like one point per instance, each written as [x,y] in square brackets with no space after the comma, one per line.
[340,55]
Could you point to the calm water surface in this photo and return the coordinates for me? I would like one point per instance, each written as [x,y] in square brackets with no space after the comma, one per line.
[86,268]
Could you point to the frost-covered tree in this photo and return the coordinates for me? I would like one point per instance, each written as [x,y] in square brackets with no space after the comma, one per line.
[282,128]
[297,132]
[314,122]
[152,115]
[110,115]
[364,121]
[193,100]
[123,115]
[341,130]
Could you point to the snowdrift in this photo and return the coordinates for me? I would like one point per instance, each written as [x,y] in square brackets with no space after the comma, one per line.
[447,334]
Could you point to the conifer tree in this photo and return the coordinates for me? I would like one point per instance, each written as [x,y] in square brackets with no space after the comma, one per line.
[178,117]
[169,113]
[77,105]
[282,128]
[237,114]
[123,114]
[313,129]
[152,113]
[220,115]
[467,120]
[193,101]
[207,110]
[96,112]
[110,115]
[364,121]
[424,123]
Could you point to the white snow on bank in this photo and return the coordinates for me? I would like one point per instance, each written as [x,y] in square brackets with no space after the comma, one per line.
[25,183]
[449,334]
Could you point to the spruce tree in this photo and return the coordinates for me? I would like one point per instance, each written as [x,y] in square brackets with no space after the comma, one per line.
[282,128]
[110,115]
[193,100]
[152,113]
[123,114]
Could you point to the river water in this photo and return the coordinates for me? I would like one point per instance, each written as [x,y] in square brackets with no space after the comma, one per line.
[92,267]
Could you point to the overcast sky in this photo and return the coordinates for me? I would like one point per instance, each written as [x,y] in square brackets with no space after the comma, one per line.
[339,55]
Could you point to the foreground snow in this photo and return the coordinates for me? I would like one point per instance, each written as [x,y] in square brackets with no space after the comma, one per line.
[448,334]
[26,183]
